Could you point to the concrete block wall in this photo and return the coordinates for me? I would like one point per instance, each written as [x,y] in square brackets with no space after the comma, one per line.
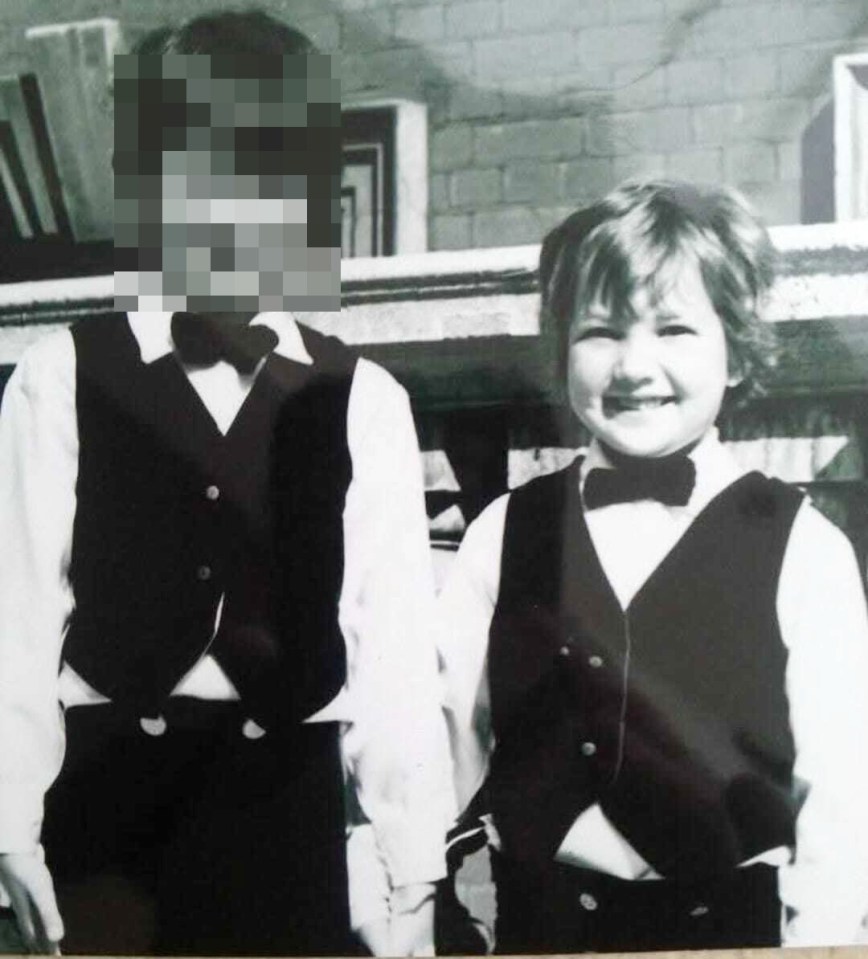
[536,106]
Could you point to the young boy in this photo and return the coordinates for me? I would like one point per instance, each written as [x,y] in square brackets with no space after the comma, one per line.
[215,590]
[656,662]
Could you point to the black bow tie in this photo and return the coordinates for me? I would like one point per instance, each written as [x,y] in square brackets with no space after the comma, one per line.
[202,341]
[669,481]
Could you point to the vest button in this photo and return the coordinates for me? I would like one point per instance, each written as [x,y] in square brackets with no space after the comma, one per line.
[595,662]
[700,910]
[203,573]
[587,901]
[565,651]
[212,493]
[153,725]
[252,730]
[588,749]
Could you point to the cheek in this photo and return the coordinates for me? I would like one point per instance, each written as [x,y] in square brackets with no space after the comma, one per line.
[588,373]
[706,375]
[700,359]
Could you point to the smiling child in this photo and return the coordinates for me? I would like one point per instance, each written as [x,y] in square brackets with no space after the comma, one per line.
[655,661]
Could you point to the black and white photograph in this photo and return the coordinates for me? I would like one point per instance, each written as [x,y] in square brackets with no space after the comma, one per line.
[433,476]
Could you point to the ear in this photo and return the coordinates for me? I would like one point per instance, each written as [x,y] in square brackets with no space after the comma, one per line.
[735,371]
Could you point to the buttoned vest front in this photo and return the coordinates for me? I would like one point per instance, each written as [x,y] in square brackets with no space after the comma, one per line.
[178,526]
[671,715]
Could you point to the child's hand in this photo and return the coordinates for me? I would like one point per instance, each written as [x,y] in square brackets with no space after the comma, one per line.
[412,931]
[376,936]
[28,882]
[409,929]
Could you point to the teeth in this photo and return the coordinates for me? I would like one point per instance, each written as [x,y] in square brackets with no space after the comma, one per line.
[637,403]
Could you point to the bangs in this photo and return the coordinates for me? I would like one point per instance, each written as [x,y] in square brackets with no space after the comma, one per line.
[642,252]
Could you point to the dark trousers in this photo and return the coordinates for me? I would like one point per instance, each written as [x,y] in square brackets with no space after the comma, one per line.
[559,908]
[198,840]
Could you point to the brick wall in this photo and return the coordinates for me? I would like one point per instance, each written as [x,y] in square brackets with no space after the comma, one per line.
[539,105]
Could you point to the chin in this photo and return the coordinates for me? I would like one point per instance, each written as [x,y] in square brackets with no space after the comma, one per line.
[643,451]
[646,446]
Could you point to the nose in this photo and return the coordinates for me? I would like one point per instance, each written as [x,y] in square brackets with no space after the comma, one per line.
[636,356]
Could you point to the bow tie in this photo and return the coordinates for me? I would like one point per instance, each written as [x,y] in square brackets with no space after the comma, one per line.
[201,341]
[669,481]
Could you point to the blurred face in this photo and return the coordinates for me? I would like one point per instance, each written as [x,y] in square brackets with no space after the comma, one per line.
[231,240]
[651,382]
[218,214]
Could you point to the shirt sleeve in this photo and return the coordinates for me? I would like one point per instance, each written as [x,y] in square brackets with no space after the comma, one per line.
[822,614]
[38,471]
[368,877]
[467,604]
[396,748]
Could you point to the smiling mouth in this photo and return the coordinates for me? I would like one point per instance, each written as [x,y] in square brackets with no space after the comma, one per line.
[630,404]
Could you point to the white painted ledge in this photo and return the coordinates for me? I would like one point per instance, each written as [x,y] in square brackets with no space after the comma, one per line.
[472,313]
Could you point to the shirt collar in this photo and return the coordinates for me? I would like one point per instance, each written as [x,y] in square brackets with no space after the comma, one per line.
[153,333]
[716,468]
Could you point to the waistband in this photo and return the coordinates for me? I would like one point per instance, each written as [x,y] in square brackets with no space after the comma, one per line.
[189,714]
[562,908]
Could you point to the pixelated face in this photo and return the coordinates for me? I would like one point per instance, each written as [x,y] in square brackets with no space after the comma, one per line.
[651,382]
[226,179]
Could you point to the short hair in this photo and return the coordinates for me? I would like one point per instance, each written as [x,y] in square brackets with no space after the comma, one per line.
[153,115]
[631,240]
[228,32]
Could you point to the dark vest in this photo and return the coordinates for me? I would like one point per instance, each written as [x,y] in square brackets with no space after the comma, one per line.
[171,516]
[671,715]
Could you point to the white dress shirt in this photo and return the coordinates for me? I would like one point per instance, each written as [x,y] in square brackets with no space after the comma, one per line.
[394,741]
[822,617]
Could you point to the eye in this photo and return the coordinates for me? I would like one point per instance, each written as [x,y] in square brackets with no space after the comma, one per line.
[676,329]
[596,332]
